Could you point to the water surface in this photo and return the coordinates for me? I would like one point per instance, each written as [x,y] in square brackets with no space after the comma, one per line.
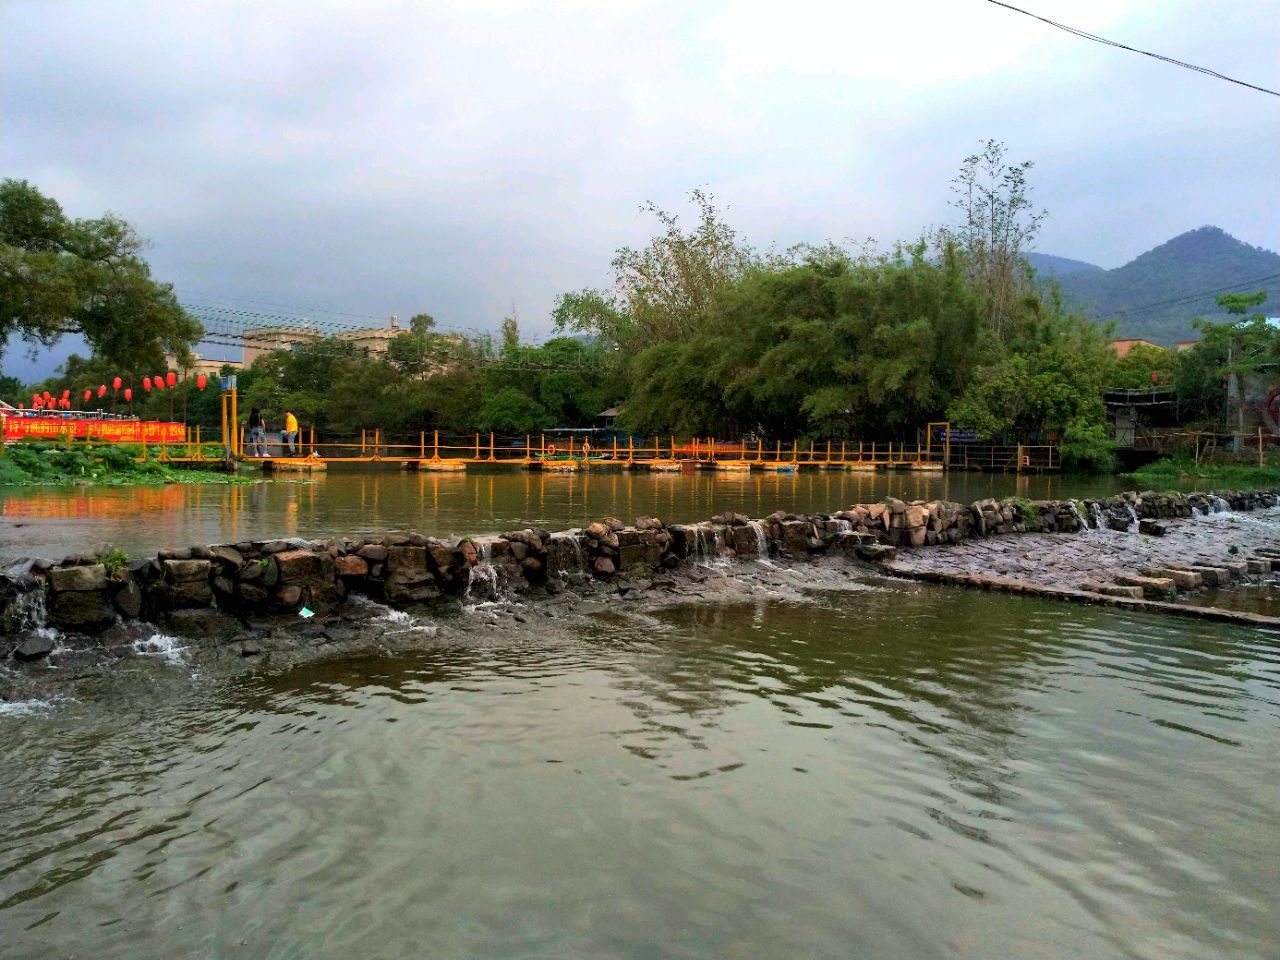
[897,771]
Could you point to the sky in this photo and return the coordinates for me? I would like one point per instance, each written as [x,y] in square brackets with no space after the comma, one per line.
[347,160]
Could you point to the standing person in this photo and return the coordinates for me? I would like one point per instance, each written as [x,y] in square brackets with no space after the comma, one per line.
[290,438]
[258,434]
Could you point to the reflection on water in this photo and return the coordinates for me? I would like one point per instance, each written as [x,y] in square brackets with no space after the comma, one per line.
[900,772]
[53,522]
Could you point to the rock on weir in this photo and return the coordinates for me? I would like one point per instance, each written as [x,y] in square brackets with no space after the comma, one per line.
[225,590]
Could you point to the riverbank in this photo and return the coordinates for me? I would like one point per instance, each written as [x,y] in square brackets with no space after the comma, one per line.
[1162,474]
[40,463]
[291,599]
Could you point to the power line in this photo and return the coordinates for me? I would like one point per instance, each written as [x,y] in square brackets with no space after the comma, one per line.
[1267,278]
[1122,46]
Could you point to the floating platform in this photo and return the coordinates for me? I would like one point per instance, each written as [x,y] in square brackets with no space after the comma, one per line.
[294,465]
[659,466]
[779,466]
[442,466]
[732,466]
[923,466]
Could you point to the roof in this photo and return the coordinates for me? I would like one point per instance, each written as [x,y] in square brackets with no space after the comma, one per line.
[611,412]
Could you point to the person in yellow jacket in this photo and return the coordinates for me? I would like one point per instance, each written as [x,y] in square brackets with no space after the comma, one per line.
[290,438]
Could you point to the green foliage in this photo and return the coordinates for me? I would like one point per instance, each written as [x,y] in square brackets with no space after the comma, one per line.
[511,411]
[39,462]
[1086,448]
[1182,470]
[59,275]
[1173,276]
[1145,368]
[113,559]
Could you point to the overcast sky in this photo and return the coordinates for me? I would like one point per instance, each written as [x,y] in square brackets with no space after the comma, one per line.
[378,158]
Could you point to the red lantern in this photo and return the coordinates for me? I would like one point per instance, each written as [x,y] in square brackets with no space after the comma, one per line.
[146,383]
[102,389]
[66,394]
[128,394]
[201,381]
[116,383]
[171,379]
[86,396]
[47,396]
[158,381]
[66,404]
[37,402]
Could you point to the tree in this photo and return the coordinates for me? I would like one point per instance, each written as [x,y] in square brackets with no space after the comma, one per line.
[59,275]
[1145,367]
[660,290]
[510,333]
[1240,351]
[422,323]
[999,224]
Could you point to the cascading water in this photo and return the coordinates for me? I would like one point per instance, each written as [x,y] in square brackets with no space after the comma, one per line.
[481,572]
[1096,517]
[26,611]
[1218,504]
[575,545]
[161,645]
[1133,515]
[842,525]
[762,541]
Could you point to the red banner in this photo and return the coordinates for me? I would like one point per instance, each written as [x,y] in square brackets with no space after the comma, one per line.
[114,431]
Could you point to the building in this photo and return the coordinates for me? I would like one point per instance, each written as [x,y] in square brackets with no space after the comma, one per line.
[1122,347]
[373,340]
[1181,345]
[259,341]
[198,365]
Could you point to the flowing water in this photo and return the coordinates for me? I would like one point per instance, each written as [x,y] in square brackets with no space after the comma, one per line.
[889,771]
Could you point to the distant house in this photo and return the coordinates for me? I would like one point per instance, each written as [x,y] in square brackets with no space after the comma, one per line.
[1122,347]
[1181,345]
[605,419]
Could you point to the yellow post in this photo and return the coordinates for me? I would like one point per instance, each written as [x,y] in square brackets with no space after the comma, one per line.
[711,449]
[795,451]
[235,426]
[377,443]
[312,428]
[362,442]
[571,446]
[491,457]
[528,448]
[477,446]
[435,445]
[743,454]
[1019,458]
[631,448]
[673,446]
[828,451]
[843,458]
[542,446]
[422,445]
[615,446]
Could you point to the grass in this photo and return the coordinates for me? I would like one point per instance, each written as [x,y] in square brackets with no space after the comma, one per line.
[41,463]
[1223,475]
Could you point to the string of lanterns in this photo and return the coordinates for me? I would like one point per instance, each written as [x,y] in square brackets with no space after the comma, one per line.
[160,382]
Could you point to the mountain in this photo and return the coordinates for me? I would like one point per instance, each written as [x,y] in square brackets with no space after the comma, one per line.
[1158,294]
[1047,265]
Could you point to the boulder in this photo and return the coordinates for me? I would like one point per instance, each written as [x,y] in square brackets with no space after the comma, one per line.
[304,566]
[181,571]
[373,552]
[228,556]
[603,567]
[33,648]
[78,579]
[81,610]
[128,599]
[351,566]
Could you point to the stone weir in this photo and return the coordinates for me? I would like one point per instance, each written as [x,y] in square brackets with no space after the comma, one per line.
[229,592]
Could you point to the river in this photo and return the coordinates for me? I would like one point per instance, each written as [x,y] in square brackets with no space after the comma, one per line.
[889,771]
[52,522]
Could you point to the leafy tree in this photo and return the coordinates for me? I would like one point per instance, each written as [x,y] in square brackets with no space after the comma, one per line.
[511,411]
[60,275]
[1241,352]
[999,225]
[1145,368]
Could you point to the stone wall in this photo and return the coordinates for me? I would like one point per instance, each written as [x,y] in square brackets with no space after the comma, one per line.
[227,589]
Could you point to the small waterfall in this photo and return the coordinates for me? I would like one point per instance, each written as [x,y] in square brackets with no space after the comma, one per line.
[1133,514]
[1218,504]
[762,541]
[580,559]
[842,526]
[26,611]
[706,544]
[1096,517]
[481,572]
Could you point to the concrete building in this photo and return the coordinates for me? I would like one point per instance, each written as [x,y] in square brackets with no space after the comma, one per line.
[1122,347]
[373,340]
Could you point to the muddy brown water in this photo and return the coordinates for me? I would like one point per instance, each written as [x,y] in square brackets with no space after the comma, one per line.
[888,771]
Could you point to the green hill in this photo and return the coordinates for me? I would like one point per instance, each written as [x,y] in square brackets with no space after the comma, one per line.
[1158,294]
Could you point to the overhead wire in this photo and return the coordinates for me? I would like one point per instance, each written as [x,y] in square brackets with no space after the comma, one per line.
[1086,35]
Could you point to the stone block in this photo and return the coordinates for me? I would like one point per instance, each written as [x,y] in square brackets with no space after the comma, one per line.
[410,560]
[304,566]
[78,579]
[1153,588]
[180,571]
[128,600]
[373,552]
[81,610]
[351,566]
[1182,579]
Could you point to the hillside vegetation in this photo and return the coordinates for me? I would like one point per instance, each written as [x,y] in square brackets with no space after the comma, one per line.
[1176,282]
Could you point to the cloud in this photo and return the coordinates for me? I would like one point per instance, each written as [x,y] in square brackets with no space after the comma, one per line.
[381,158]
